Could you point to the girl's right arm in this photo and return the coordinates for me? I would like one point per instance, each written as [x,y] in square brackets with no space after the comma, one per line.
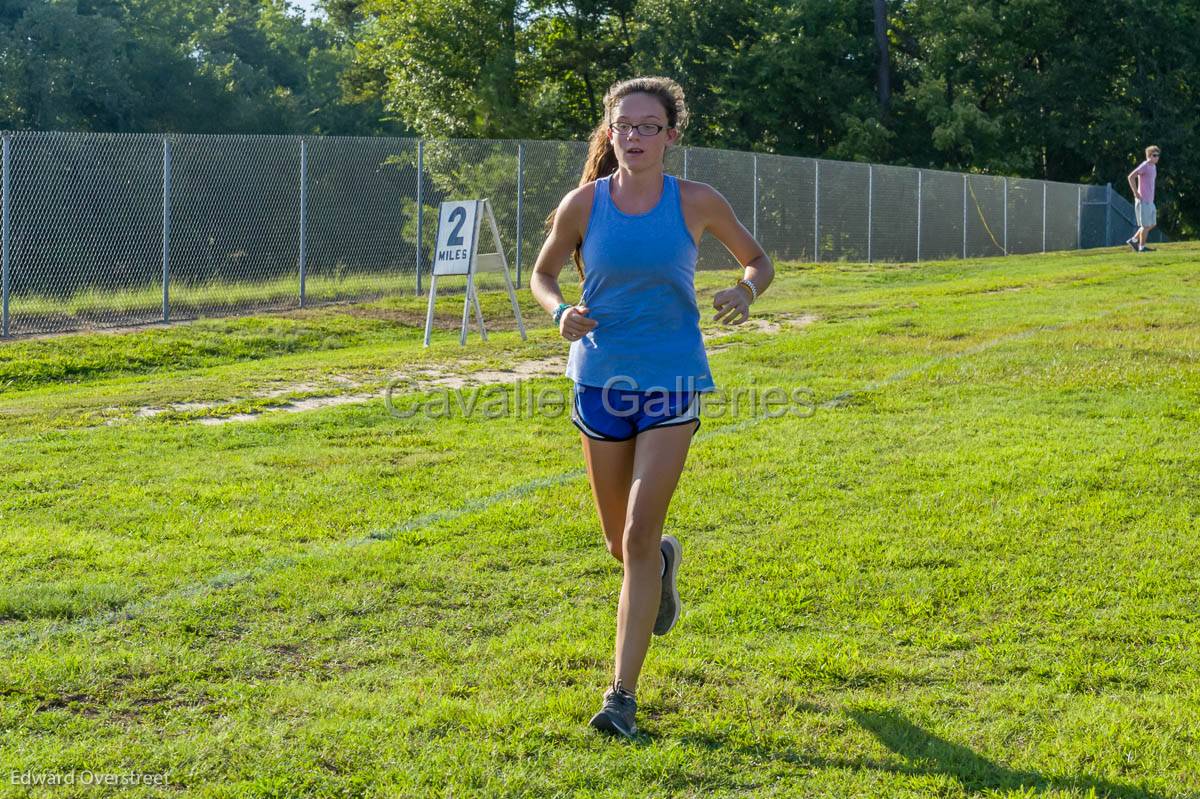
[570,223]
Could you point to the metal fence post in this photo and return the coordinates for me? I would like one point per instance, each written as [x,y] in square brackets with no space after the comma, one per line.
[166,231]
[1079,217]
[5,221]
[520,196]
[1006,216]
[964,217]
[420,208]
[786,206]
[870,207]
[919,174]
[303,214]
[754,217]
[1107,214]
[816,211]
[1043,216]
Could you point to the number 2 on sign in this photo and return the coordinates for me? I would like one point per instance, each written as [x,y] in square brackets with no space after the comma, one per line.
[459,214]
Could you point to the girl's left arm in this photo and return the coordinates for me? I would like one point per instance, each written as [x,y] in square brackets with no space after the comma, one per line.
[733,304]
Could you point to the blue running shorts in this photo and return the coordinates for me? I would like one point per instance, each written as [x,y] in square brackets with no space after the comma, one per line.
[619,414]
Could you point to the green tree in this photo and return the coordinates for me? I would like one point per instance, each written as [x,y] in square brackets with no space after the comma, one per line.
[794,77]
[176,65]
[571,54]
[63,70]
[497,68]
[1061,89]
[450,65]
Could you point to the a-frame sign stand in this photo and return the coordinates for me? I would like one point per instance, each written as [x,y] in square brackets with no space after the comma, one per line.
[457,253]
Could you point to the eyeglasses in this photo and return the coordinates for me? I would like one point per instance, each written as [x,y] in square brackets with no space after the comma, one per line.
[1154,155]
[644,129]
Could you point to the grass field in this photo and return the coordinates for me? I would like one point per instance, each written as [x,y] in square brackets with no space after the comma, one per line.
[971,571]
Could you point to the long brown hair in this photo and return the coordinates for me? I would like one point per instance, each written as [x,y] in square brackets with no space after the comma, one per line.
[601,159]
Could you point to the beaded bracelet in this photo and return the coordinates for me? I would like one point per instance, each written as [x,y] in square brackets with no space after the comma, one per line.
[750,285]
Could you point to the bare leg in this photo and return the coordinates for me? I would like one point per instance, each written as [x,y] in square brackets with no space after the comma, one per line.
[610,470]
[658,462]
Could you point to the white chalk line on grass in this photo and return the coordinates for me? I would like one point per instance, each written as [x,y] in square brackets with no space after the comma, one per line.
[983,346]
[275,564]
[927,365]
[278,563]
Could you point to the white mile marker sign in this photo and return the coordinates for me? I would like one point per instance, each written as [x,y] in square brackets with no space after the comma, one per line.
[457,253]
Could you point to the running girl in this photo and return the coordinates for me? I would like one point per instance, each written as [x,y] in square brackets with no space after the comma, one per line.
[637,356]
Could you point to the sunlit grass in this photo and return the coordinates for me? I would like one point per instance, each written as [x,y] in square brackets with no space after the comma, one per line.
[970,572]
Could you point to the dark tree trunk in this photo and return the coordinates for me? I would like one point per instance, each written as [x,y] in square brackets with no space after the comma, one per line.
[885,65]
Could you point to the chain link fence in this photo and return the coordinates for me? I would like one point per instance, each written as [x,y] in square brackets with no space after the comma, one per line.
[102,230]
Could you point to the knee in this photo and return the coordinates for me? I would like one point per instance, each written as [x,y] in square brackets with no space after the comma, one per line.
[641,540]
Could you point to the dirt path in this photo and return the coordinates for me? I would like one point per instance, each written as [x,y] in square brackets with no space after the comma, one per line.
[422,379]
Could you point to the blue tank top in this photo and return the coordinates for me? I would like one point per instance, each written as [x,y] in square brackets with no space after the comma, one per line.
[639,284]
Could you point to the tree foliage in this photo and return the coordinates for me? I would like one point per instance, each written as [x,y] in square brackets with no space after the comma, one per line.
[1061,89]
[247,66]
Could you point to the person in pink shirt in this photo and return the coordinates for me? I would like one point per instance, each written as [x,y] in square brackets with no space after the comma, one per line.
[1141,182]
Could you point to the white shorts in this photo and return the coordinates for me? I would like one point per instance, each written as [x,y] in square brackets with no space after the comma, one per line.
[1145,214]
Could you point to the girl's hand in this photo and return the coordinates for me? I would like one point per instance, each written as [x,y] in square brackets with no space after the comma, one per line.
[574,323]
[733,306]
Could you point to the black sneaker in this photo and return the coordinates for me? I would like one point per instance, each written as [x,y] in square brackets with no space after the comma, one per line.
[1146,249]
[669,605]
[1132,244]
[616,716]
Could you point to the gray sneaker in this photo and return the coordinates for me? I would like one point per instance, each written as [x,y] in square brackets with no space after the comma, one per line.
[616,716]
[669,605]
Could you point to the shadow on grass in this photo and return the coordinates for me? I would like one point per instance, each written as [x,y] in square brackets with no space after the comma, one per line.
[930,754]
[927,755]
